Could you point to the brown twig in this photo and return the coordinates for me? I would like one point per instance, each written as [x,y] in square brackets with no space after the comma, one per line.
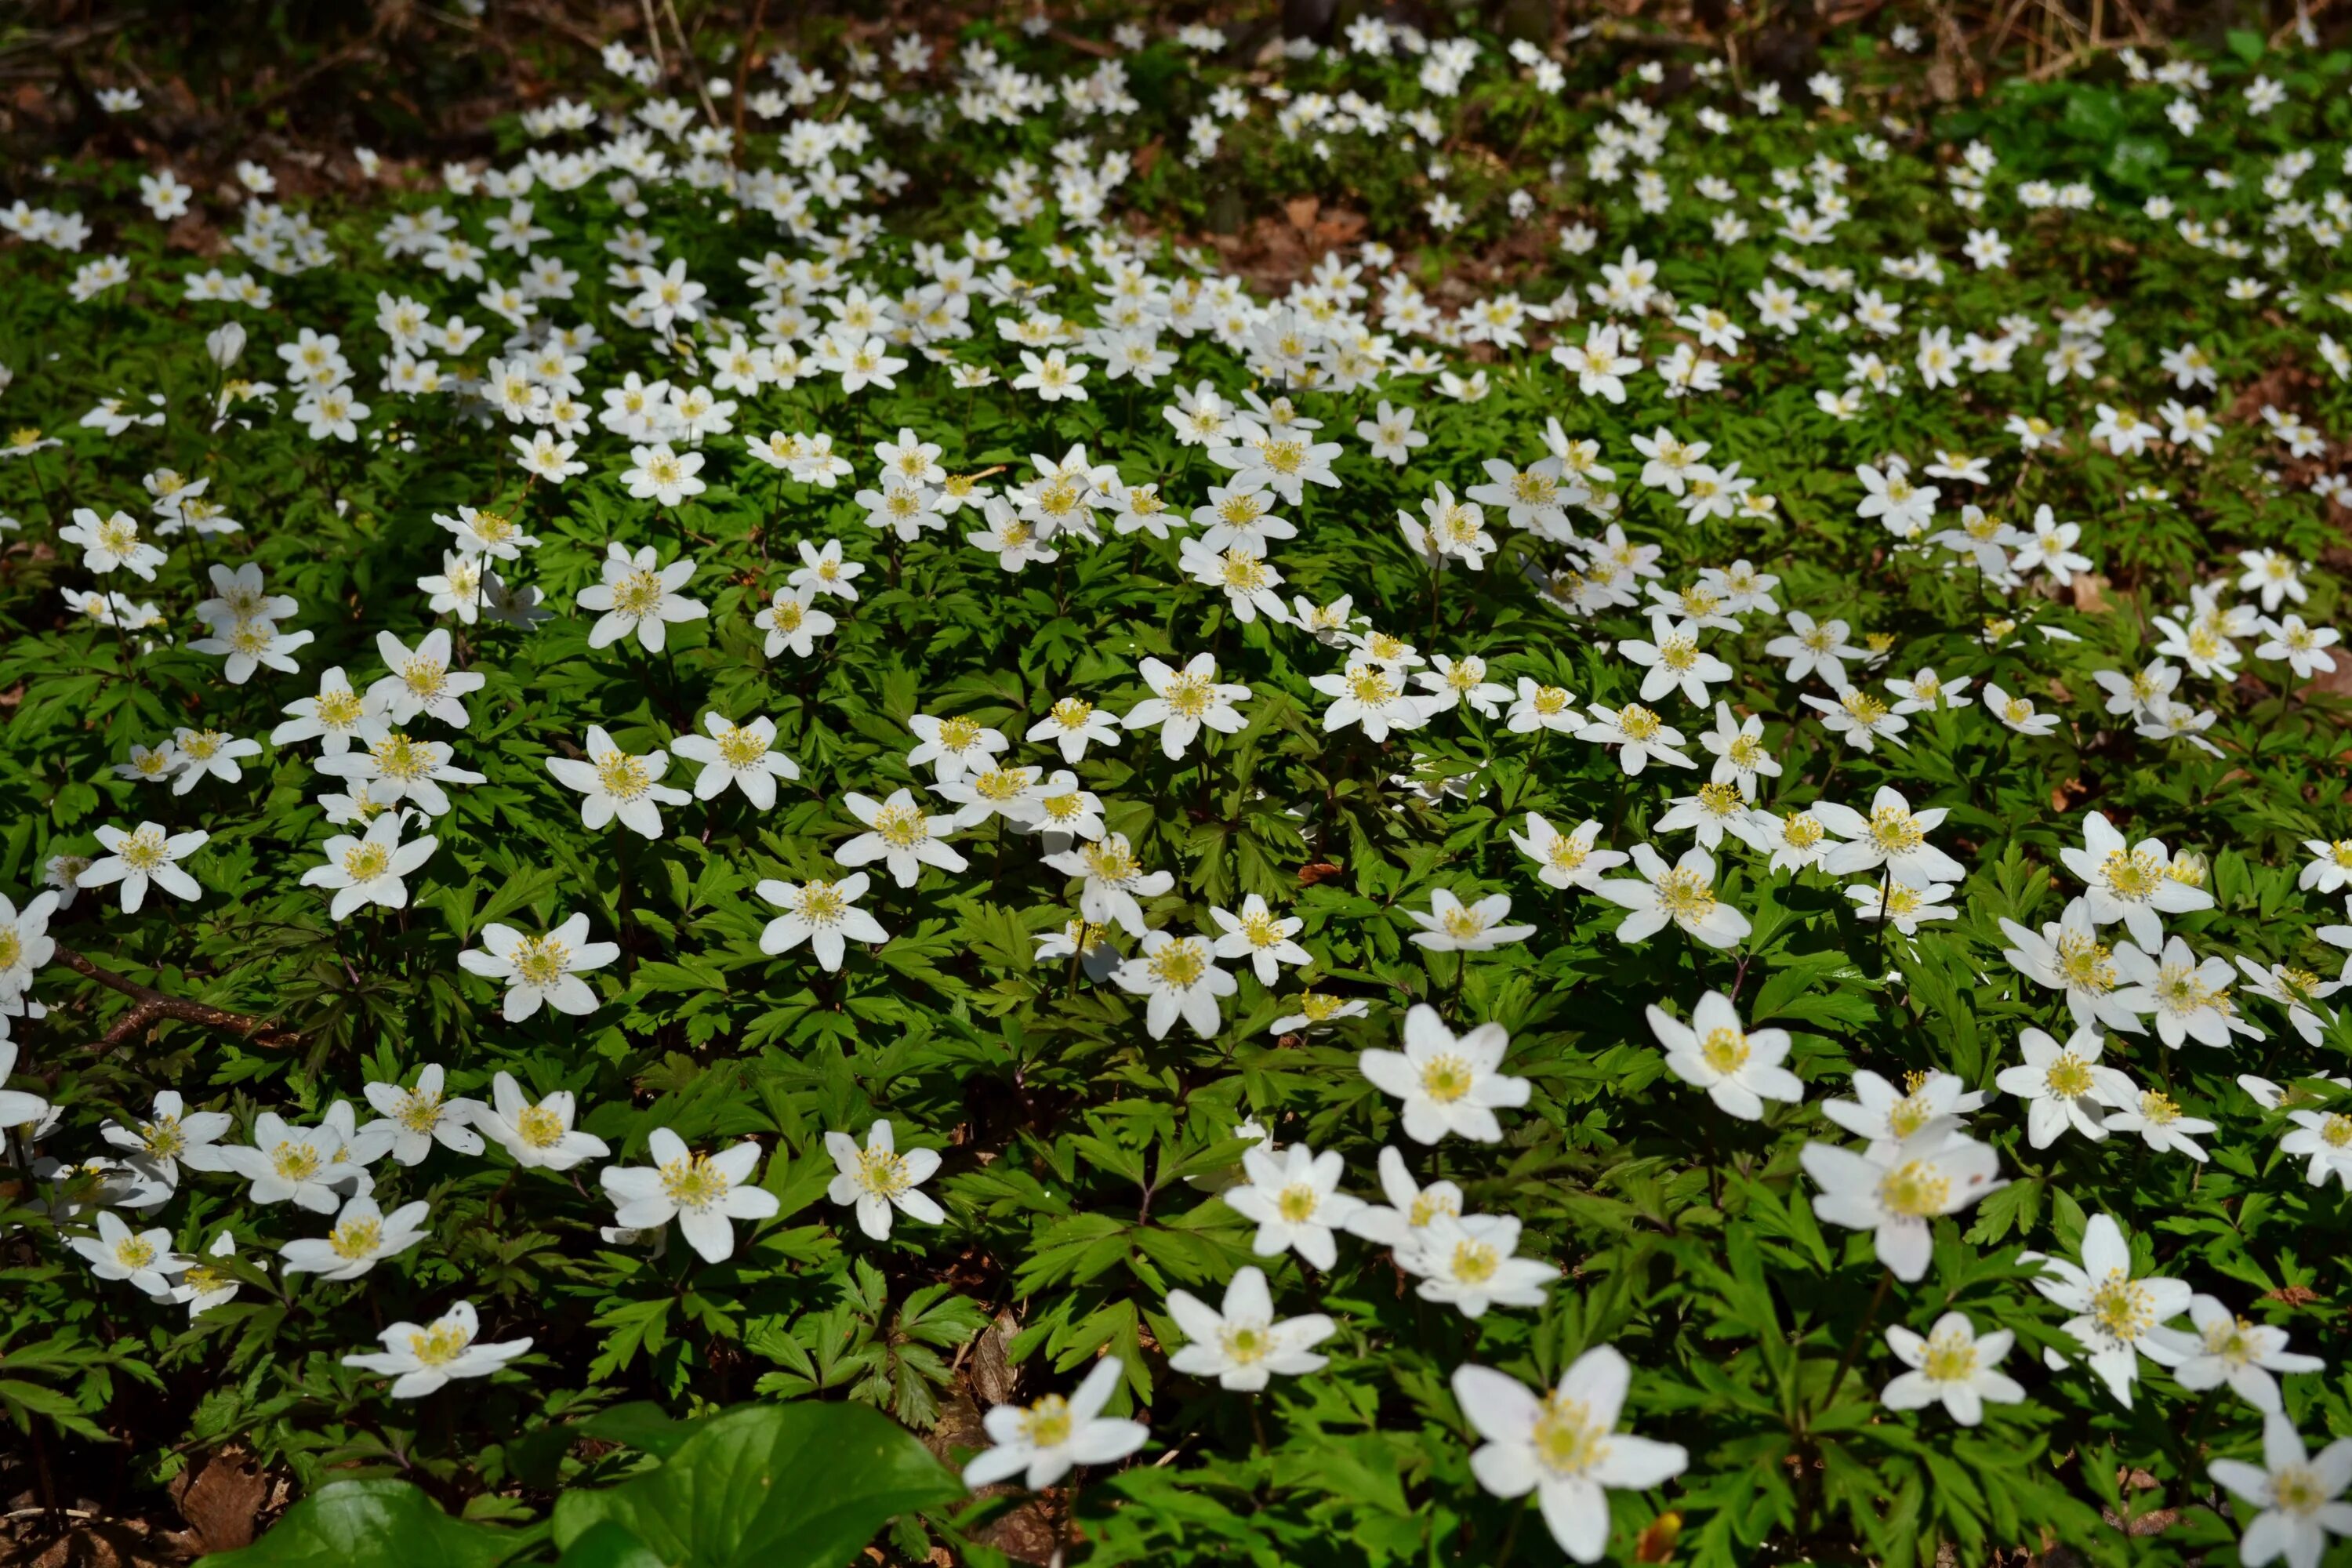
[150,1004]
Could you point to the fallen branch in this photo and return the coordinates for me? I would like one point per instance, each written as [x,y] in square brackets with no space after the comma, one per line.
[150,1004]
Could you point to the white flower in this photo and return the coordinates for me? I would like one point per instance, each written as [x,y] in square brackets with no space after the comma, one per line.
[1294,1201]
[111,541]
[1901,905]
[638,595]
[1683,893]
[1893,835]
[208,754]
[1369,693]
[539,969]
[364,1236]
[1451,926]
[1540,707]
[1937,1171]
[2068,955]
[2065,1086]
[27,947]
[658,474]
[614,784]
[823,914]
[1261,936]
[1639,735]
[1179,977]
[305,1164]
[1953,1364]
[1403,1222]
[1447,1084]
[2017,713]
[1116,882]
[1815,648]
[899,835]
[743,755]
[143,1257]
[1886,1117]
[369,870]
[2190,997]
[335,717]
[146,855]
[202,1287]
[825,572]
[1673,661]
[173,1136]
[414,1120]
[1469,1261]
[953,747]
[1043,1442]
[1243,1344]
[2230,1349]
[704,1193]
[1074,724]
[2158,1119]
[2131,883]
[1181,701]
[421,1359]
[1740,1069]
[421,682]
[789,622]
[2299,1495]
[540,1136]
[395,768]
[2117,1318]
[2326,1138]
[878,1179]
[1565,859]
[1563,1446]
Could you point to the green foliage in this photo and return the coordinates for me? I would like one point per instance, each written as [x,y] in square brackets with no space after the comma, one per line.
[679,1404]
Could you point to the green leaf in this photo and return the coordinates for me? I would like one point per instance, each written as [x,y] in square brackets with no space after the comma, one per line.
[371,1524]
[609,1545]
[642,1424]
[793,1485]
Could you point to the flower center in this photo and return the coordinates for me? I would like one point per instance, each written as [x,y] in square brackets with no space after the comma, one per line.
[419,1112]
[2336,1130]
[1178,965]
[1915,1190]
[1474,1262]
[1188,695]
[1071,713]
[1725,1050]
[1246,1343]
[622,776]
[882,1173]
[1863,706]
[356,1238]
[1951,1358]
[901,826]
[2083,961]
[1296,1204]
[439,1345]
[295,1162]
[959,734]
[1568,1441]
[2133,876]
[1446,1078]
[1684,895]
[637,593]
[693,1183]
[2121,1308]
[143,850]
[1894,830]
[1638,722]
[741,748]
[366,861]
[1048,1423]
[539,1127]
[2068,1077]
[2297,1489]
[399,758]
